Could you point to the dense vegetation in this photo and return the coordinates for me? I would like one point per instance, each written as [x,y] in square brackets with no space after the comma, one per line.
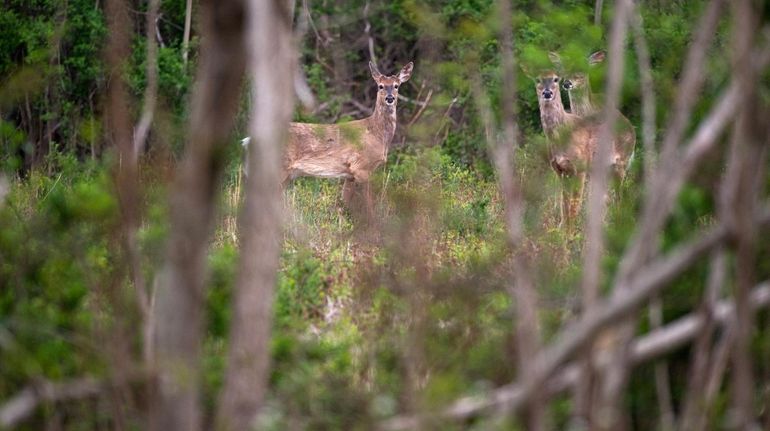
[366,326]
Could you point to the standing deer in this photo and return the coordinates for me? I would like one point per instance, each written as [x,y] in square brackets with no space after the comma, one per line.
[572,140]
[351,150]
[583,103]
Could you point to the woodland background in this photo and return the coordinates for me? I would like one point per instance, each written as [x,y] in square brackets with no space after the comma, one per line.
[428,322]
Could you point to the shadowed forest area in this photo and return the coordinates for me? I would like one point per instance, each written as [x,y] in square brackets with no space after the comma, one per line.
[494,215]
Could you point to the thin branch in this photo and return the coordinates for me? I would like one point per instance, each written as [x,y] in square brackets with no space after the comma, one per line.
[151,90]
[648,95]
[624,300]
[187,28]
[669,338]
[598,12]
[692,79]
[740,194]
[22,405]
[606,414]
[694,407]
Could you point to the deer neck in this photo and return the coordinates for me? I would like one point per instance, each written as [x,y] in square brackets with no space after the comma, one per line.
[382,123]
[553,116]
[580,101]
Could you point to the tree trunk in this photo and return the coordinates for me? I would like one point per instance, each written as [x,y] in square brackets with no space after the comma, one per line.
[180,294]
[271,59]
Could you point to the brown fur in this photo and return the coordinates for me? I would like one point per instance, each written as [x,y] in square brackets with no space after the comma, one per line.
[583,103]
[573,141]
[350,150]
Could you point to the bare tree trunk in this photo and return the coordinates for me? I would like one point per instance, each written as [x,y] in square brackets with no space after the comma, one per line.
[739,201]
[180,294]
[271,59]
[186,35]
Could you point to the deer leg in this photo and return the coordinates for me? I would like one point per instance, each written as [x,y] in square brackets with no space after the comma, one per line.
[348,191]
[564,204]
[577,196]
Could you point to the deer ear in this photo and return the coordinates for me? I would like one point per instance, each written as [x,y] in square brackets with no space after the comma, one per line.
[597,57]
[375,73]
[406,72]
[555,59]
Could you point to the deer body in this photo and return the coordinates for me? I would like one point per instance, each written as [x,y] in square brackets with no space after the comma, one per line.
[583,104]
[350,150]
[573,140]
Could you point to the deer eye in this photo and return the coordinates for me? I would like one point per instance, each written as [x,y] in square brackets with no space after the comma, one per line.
[381,86]
[556,79]
[395,86]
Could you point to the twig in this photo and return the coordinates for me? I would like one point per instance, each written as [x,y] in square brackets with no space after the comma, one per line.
[701,357]
[607,410]
[419,112]
[648,95]
[739,197]
[692,79]
[624,300]
[19,407]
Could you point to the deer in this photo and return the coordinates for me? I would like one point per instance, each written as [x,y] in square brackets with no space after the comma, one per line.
[572,141]
[350,150]
[583,103]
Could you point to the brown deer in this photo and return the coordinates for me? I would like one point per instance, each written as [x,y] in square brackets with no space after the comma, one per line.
[583,103]
[572,141]
[351,150]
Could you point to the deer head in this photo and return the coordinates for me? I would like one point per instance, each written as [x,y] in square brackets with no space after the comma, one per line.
[579,80]
[387,86]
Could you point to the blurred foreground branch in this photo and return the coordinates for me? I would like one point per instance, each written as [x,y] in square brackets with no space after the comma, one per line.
[271,64]
[180,293]
[651,280]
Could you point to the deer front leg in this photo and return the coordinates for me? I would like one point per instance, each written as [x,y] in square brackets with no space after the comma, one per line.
[576,197]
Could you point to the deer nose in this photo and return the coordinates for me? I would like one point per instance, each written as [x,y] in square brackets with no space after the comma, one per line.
[389,98]
[568,85]
[547,94]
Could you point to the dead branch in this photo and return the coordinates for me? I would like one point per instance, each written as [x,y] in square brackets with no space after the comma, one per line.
[23,404]
[668,338]
[648,95]
[740,195]
[692,79]
[605,414]
[649,281]
[151,90]
[701,356]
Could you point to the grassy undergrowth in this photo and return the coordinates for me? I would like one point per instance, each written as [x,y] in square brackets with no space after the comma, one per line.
[405,315]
